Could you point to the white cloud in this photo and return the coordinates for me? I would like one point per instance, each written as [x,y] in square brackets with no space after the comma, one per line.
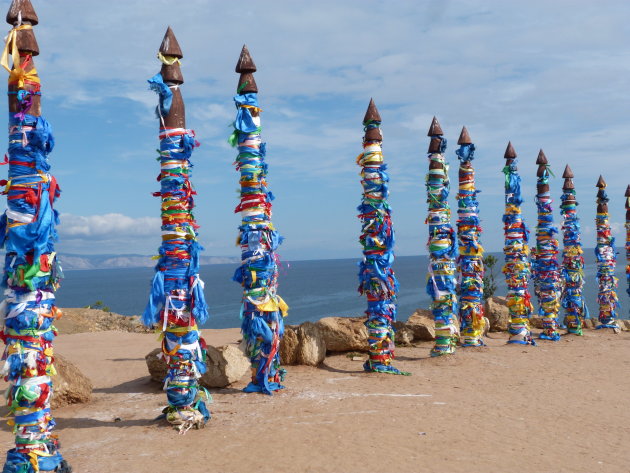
[107,226]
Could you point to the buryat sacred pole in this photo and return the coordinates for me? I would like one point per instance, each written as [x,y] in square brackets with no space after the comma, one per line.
[441,283]
[627,195]
[31,272]
[517,268]
[606,262]
[177,302]
[470,261]
[546,270]
[263,310]
[572,258]
[376,276]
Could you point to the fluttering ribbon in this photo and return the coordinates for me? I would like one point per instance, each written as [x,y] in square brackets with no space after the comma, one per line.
[262,310]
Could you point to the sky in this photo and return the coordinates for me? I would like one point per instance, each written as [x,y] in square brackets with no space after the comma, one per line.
[550,75]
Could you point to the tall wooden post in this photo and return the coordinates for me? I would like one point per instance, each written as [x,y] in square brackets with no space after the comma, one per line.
[517,267]
[441,284]
[545,266]
[627,196]
[31,271]
[176,303]
[263,310]
[606,263]
[376,276]
[572,258]
[470,262]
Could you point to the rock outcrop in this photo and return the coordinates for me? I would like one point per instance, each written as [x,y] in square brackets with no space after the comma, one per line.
[302,345]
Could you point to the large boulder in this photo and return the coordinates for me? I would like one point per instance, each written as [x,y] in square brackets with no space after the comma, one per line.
[289,346]
[226,365]
[422,324]
[70,386]
[343,334]
[311,349]
[498,314]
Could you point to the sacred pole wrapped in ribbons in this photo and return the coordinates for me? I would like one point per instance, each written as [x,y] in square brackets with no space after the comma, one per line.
[627,195]
[376,277]
[31,271]
[546,270]
[263,310]
[572,258]
[470,261]
[176,303]
[441,283]
[606,262]
[517,268]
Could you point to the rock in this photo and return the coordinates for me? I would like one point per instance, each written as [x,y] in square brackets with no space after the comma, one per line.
[498,314]
[343,334]
[289,346]
[536,322]
[590,323]
[70,386]
[311,348]
[422,325]
[156,365]
[404,335]
[226,365]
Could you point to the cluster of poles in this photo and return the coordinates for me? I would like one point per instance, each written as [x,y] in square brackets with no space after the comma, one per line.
[176,304]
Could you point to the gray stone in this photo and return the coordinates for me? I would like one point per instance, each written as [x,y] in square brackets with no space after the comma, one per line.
[404,335]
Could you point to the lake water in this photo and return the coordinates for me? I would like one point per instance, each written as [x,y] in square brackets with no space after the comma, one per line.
[313,289]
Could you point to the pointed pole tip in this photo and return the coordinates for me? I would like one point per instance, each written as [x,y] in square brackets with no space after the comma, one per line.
[510,152]
[464,137]
[435,128]
[541,159]
[170,45]
[22,9]
[568,173]
[245,63]
[600,182]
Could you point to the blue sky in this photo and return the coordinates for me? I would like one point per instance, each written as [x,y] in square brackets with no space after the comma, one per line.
[551,75]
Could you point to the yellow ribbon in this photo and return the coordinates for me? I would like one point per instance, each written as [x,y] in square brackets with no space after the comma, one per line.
[17,74]
[168,60]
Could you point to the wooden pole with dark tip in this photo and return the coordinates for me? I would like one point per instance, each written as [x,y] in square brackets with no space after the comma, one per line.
[176,304]
[470,264]
[546,269]
[377,280]
[31,271]
[517,268]
[262,306]
[606,262]
[172,76]
[441,280]
[627,196]
[572,259]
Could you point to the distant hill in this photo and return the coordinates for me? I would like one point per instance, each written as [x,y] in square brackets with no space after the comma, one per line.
[70,262]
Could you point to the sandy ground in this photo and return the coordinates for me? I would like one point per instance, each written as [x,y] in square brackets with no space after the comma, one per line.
[558,407]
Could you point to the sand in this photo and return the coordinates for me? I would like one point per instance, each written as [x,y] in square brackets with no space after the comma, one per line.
[558,407]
